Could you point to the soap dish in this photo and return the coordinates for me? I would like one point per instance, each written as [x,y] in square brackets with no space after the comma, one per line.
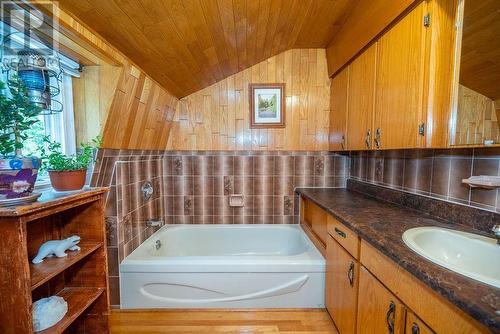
[483,181]
[236,200]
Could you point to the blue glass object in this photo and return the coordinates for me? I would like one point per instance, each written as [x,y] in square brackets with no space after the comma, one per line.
[32,79]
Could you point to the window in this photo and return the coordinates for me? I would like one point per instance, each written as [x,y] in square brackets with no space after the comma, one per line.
[59,127]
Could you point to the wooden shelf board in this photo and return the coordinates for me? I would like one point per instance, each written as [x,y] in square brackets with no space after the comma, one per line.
[50,267]
[78,299]
[51,202]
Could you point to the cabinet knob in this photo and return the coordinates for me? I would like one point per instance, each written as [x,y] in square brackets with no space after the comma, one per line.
[378,135]
[368,139]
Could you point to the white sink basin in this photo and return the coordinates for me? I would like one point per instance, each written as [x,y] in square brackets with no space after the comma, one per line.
[468,254]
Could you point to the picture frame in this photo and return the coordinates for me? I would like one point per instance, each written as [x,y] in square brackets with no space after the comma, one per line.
[267,105]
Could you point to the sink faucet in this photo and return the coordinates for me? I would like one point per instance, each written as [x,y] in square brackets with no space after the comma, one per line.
[496,231]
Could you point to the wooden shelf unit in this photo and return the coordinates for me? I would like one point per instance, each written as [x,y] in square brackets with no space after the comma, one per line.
[80,278]
[49,268]
[78,299]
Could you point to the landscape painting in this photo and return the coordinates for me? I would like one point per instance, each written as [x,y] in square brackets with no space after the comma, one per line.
[267,106]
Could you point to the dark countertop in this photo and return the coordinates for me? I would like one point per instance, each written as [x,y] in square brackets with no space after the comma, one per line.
[382,224]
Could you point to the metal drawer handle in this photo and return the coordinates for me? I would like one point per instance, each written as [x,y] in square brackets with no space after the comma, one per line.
[342,143]
[368,140]
[339,232]
[390,317]
[378,135]
[350,274]
[415,329]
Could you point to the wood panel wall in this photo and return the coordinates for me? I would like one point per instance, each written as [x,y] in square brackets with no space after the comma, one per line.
[141,112]
[91,99]
[124,105]
[476,118]
[114,97]
[217,117]
[480,53]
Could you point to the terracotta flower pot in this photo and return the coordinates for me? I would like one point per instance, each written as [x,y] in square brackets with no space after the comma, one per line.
[67,180]
[18,176]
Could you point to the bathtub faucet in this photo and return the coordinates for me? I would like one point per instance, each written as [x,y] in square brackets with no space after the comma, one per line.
[496,232]
[158,244]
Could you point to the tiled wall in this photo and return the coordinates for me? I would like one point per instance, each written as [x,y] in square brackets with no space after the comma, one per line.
[126,211]
[454,213]
[436,173]
[194,188]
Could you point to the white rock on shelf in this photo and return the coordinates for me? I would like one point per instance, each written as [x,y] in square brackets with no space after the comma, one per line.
[48,311]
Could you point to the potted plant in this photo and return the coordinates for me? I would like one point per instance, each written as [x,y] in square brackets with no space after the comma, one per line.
[17,115]
[67,173]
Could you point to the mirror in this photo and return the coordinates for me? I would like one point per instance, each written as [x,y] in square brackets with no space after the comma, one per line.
[476,120]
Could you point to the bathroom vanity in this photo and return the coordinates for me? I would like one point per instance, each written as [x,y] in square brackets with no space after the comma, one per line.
[80,277]
[376,284]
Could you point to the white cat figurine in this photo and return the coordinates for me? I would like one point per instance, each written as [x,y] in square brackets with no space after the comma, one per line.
[57,248]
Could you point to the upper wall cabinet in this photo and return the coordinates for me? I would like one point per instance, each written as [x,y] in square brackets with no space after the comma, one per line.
[399,89]
[361,101]
[338,111]
[476,108]
[400,80]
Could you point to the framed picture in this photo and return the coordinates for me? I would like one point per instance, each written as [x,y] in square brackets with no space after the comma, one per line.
[267,105]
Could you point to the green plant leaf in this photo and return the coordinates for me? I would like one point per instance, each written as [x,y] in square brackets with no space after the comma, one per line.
[53,158]
[17,115]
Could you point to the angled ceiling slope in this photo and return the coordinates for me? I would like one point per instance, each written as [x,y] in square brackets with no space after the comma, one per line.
[187,45]
[480,59]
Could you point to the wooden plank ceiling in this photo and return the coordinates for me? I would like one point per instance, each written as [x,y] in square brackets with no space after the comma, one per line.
[480,59]
[187,45]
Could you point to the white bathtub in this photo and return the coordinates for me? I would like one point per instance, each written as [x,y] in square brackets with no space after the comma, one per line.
[223,266]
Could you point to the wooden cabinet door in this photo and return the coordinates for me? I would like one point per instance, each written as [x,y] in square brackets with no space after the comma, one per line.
[415,326]
[338,111]
[341,286]
[379,311]
[317,219]
[399,95]
[361,100]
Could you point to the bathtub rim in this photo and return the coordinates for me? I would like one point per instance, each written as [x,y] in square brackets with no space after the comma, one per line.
[308,261]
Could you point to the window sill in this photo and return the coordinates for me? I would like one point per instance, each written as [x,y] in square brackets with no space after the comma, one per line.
[42,185]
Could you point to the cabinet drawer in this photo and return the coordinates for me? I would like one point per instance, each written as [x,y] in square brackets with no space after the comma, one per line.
[344,236]
[416,326]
